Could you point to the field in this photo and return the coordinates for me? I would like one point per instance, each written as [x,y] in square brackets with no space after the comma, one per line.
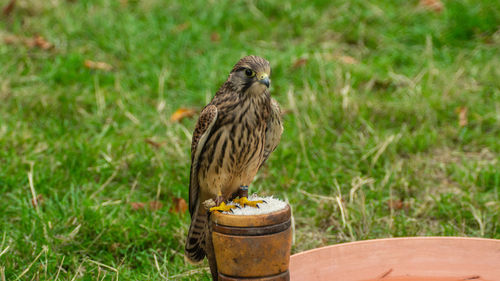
[392,124]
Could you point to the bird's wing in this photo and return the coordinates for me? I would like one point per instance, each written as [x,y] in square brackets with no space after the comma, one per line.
[203,127]
[274,130]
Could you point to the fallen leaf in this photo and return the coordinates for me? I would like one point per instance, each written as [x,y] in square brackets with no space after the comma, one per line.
[395,204]
[183,26]
[40,42]
[182,113]
[30,42]
[180,206]
[155,205]
[215,37]
[433,5]
[137,205]
[7,10]
[462,116]
[115,246]
[38,201]
[97,65]
[299,63]
[154,143]
[398,205]
[348,60]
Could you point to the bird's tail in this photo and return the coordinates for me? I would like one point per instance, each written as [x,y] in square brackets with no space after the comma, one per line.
[195,242]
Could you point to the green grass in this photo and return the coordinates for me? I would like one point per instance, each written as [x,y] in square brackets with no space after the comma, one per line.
[384,128]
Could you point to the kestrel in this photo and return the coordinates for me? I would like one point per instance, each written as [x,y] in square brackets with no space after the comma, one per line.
[235,134]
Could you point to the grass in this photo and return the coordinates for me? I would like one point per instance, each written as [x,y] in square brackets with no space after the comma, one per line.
[372,144]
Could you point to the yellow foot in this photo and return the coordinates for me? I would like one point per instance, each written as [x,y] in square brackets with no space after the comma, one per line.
[243,201]
[222,207]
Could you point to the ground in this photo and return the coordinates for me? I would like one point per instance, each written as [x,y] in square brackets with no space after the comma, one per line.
[392,124]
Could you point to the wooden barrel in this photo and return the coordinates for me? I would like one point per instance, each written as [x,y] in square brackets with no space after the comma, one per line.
[252,247]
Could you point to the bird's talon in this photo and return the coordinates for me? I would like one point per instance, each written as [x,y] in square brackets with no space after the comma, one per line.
[243,201]
[223,208]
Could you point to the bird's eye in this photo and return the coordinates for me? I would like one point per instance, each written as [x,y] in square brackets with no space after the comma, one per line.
[249,72]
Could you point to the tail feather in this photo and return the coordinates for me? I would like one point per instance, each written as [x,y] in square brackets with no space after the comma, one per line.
[195,242]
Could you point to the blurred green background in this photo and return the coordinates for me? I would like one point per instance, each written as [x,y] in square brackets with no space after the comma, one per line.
[392,124]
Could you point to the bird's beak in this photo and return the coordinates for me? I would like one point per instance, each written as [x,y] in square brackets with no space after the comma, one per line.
[264,79]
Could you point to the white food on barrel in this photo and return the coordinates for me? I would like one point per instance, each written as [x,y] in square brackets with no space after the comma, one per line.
[269,205]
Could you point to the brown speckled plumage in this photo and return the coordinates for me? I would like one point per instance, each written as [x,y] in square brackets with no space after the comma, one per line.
[235,133]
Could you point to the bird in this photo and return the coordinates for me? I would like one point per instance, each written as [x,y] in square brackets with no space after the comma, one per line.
[234,135]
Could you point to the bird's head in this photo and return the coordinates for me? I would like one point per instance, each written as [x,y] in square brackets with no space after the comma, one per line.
[251,75]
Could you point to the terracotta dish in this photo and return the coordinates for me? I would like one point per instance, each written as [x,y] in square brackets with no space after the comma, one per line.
[401,259]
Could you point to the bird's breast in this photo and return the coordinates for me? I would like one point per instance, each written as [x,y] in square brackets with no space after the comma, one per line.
[246,135]
[235,148]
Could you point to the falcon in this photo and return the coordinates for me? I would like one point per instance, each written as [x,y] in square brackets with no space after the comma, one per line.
[235,134]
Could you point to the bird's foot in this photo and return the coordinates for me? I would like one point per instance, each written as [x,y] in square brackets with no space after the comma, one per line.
[222,207]
[243,201]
